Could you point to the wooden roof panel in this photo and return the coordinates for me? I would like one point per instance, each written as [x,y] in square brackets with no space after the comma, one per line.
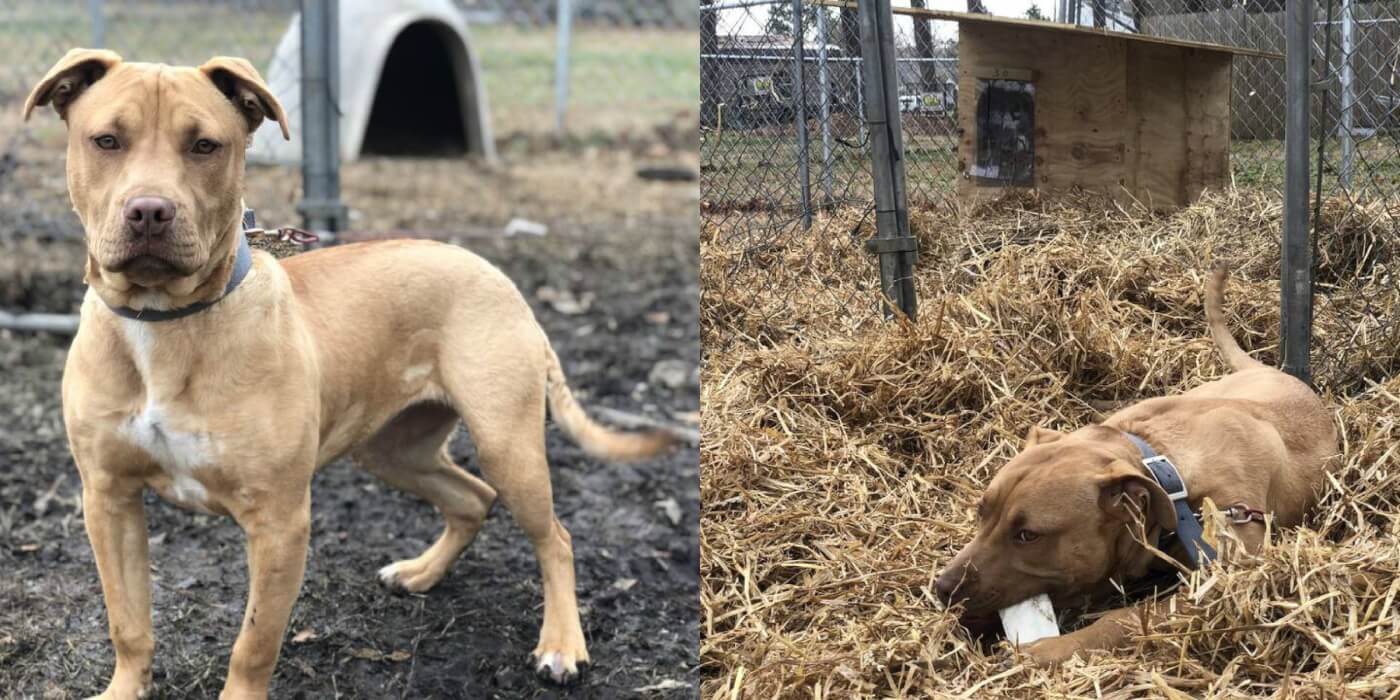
[1039,25]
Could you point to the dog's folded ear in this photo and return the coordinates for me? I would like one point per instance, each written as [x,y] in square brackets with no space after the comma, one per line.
[74,73]
[1126,494]
[1040,436]
[244,86]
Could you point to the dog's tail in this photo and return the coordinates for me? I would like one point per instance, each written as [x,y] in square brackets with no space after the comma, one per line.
[595,439]
[1215,317]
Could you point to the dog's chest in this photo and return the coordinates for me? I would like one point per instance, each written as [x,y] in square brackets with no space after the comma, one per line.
[163,429]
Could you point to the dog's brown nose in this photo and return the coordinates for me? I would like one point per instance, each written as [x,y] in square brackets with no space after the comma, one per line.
[953,582]
[148,216]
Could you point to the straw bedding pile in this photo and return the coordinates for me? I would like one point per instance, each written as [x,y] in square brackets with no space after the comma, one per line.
[842,455]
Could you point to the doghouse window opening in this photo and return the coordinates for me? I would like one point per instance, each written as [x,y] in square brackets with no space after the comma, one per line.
[417,109]
[1005,133]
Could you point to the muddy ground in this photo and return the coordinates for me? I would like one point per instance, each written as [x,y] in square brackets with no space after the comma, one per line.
[614,284]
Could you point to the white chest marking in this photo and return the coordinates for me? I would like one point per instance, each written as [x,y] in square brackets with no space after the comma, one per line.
[179,452]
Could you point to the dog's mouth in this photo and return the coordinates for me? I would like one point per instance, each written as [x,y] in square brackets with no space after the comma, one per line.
[983,629]
[146,265]
[146,269]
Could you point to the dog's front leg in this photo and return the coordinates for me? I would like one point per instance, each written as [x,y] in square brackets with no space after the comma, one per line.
[278,530]
[1111,631]
[115,519]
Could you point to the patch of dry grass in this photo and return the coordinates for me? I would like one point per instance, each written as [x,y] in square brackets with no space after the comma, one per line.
[842,456]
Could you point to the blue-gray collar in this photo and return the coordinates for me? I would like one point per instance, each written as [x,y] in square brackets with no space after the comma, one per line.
[242,263]
[1188,530]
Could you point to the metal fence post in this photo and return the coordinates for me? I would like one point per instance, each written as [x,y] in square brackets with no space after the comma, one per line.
[1296,278]
[564,37]
[799,113]
[892,241]
[1348,86]
[98,17]
[320,206]
[824,79]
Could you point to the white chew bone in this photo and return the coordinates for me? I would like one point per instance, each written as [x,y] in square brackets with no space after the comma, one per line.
[1029,620]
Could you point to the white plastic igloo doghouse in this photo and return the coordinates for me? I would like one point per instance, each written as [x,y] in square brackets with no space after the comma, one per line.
[410,85]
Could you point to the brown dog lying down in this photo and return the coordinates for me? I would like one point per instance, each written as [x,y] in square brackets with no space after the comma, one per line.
[1065,517]
[222,379]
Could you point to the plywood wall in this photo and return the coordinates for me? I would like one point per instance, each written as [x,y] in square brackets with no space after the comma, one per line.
[1141,121]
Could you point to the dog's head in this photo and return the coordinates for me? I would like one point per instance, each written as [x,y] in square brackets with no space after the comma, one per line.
[155,168]
[1060,518]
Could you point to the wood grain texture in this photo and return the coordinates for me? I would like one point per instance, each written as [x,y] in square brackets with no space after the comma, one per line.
[1081,106]
[968,18]
[1139,120]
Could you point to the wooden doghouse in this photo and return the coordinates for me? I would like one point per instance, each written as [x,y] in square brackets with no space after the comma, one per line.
[1053,106]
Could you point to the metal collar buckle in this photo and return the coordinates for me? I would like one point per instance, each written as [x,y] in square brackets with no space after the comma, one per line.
[1240,514]
[1180,493]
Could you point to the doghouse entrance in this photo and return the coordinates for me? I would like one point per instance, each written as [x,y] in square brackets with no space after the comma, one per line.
[1005,133]
[417,106]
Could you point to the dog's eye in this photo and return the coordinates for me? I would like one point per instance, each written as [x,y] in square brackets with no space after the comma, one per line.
[204,147]
[106,142]
[1023,536]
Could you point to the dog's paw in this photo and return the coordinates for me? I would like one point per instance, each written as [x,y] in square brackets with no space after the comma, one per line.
[408,577]
[1051,651]
[125,692]
[389,576]
[558,667]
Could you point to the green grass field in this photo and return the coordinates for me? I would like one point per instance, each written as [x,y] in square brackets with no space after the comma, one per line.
[619,79]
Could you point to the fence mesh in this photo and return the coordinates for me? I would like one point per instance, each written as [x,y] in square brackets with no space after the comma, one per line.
[754,190]
[34,34]
[632,63]
[1356,160]
[783,141]
[749,62]
[631,71]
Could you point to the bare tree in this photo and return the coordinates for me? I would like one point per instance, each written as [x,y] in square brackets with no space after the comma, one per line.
[923,48]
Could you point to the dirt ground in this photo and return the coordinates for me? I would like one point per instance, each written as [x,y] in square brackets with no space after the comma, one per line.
[614,284]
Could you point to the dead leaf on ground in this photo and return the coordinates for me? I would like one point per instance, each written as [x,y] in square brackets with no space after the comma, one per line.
[376,655]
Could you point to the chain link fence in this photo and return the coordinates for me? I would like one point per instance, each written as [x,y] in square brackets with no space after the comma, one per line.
[784,136]
[1355,183]
[628,74]
[34,34]
[784,146]
[753,144]
[627,67]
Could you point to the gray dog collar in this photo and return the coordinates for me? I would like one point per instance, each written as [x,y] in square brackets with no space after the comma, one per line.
[242,263]
[1188,530]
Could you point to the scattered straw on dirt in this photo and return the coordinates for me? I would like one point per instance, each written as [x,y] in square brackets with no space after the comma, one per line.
[842,456]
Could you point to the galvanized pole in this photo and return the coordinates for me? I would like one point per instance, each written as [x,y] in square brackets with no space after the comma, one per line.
[320,206]
[824,79]
[1296,282]
[1348,80]
[99,23]
[892,241]
[563,38]
[860,95]
[799,114]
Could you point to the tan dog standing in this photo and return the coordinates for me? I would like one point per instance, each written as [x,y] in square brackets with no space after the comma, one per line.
[375,349]
[1063,517]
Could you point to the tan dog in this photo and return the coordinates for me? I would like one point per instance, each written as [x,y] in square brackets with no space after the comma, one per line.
[1066,516]
[374,349]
